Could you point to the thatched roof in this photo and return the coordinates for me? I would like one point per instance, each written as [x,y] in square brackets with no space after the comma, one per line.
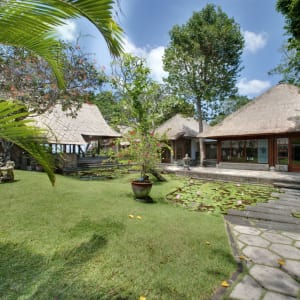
[275,111]
[65,129]
[179,126]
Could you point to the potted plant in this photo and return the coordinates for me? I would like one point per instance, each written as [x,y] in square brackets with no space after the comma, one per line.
[144,149]
[133,82]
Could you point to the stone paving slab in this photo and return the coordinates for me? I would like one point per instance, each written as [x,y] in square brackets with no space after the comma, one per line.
[275,280]
[286,251]
[275,237]
[267,278]
[261,256]
[275,296]
[247,289]
[253,240]
[293,268]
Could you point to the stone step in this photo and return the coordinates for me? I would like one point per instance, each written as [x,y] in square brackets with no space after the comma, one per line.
[291,191]
[289,203]
[270,225]
[289,198]
[277,206]
[295,186]
[263,216]
[269,210]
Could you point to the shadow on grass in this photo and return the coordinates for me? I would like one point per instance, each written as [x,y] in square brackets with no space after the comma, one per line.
[19,269]
[34,276]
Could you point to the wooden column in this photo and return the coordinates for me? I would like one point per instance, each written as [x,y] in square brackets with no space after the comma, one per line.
[272,152]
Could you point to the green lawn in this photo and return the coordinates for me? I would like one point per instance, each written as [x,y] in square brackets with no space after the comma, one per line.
[77,241]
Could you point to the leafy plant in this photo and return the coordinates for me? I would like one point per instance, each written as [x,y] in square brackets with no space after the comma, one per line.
[143,149]
[218,197]
[134,83]
[15,128]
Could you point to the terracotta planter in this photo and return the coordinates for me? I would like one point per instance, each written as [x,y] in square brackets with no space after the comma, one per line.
[141,189]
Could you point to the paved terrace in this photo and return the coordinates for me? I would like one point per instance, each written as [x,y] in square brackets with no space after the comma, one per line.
[250,176]
[265,238]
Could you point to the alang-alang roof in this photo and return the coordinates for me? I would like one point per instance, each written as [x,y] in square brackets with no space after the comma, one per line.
[64,129]
[276,111]
[179,126]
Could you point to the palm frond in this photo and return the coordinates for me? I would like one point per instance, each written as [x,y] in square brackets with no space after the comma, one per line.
[16,129]
[31,24]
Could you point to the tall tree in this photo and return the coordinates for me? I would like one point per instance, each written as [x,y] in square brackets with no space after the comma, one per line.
[31,25]
[134,85]
[289,67]
[229,106]
[28,78]
[203,59]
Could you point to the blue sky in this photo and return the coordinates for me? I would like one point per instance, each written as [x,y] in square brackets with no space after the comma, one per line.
[147,24]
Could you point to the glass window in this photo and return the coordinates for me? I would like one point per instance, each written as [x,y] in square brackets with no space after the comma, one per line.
[238,151]
[226,150]
[262,146]
[211,151]
[282,151]
[251,151]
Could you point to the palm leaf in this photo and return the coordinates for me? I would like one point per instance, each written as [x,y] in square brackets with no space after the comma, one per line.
[14,128]
[31,24]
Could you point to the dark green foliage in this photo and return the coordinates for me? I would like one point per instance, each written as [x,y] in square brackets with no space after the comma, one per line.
[229,106]
[290,9]
[28,78]
[203,58]
[289,67]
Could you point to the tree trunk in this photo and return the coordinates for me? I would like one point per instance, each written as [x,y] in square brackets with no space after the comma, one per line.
[201,140]
[158,176]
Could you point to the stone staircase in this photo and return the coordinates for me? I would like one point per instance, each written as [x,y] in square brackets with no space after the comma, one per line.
[274,214]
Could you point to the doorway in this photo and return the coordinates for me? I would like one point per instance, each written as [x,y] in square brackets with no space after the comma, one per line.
[295,154]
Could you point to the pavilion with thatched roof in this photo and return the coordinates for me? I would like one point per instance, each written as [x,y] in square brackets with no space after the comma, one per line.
[264,134]
[72,136]
[70,133]
[182,135]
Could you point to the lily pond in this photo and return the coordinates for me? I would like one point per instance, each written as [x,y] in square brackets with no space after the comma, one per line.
[219,196]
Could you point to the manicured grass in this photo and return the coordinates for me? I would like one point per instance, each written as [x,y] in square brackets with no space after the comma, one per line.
[77,241]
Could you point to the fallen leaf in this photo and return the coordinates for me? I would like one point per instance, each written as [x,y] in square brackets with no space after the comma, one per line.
[281,262]
[225,283]
[242,257]
[131,216]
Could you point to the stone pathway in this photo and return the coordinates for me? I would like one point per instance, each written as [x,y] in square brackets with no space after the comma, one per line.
[268,244]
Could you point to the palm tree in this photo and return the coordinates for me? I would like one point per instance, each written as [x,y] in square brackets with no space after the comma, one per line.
[31,25]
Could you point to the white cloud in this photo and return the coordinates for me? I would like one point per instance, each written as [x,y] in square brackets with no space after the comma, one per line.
[152,56]
[254,41]
[68,31]
[252,87]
